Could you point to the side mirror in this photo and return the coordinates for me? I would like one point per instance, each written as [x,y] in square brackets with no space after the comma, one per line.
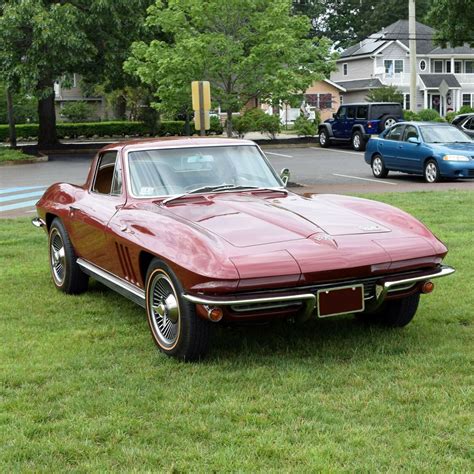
[414,140]
[285,176]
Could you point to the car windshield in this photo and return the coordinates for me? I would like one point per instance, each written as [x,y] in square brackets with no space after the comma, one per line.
[443,134]
[164,172]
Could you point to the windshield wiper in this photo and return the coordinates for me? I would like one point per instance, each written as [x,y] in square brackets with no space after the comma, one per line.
[220,188]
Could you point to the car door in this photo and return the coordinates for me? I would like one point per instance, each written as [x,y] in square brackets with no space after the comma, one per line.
[409,155]
[389,146]
[350,121]
[339,122]
[92,211]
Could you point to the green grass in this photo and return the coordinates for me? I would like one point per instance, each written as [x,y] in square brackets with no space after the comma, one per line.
[7,154]
[83,387]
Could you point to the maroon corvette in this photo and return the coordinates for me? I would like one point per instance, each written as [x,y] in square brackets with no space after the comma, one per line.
[202,231]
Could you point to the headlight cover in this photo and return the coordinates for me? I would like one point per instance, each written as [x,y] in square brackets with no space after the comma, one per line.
[455,158]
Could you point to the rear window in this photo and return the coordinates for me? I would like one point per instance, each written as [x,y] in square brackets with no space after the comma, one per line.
[378,111]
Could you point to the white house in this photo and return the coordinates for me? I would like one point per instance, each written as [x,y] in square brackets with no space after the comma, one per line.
[445,76]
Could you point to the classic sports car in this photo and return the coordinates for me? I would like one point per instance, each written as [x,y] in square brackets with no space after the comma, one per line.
[202,230]
[434,150]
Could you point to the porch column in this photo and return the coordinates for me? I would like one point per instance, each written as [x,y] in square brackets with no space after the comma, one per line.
[452,65]
[425,99]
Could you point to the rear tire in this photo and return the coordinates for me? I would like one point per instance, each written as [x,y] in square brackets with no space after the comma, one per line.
[66,273]
[175,327]
[378,167]
[324,139]
[394,313]
[358,142]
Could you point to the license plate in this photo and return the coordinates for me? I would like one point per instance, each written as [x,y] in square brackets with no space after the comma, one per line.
[341,300]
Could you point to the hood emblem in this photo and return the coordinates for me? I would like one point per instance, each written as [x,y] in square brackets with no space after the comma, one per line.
[325,239]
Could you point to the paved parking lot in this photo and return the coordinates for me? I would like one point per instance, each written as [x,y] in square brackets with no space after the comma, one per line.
[317,170]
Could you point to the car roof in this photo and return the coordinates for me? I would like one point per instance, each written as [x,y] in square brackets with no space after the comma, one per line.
[411,122]
[174,142]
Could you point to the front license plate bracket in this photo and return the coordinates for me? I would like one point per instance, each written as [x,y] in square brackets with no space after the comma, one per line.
[340,300]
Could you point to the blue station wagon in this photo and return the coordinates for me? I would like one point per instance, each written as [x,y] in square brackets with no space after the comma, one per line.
[434,150]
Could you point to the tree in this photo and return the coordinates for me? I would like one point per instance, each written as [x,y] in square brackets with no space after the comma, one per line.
[348,21]
[385,94]
[453,20]
[45,40]
[247,49]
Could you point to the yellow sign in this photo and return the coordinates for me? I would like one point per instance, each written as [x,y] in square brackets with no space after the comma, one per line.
[201,91]
[197,120]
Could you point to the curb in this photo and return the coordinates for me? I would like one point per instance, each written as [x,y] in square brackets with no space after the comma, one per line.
[39,159]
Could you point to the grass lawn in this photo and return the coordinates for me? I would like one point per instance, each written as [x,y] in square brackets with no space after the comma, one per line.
[82,386]
[7,154]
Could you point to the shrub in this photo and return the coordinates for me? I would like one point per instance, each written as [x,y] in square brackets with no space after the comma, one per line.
[216,127]
[269,125]
[450,116]
[77,111]
[304,127]
[465,109]
[410,116]
[429,115]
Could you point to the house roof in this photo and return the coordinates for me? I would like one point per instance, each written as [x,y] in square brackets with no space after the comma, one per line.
[361,84]
[433,81]
[398,31]
[334,84]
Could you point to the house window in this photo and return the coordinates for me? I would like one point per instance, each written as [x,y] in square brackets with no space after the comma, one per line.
[341,99]
[422,65]
[457,67]
[448,67]
[388,64]
[406,101]
[325,101]
[469,67]
[438,66]
[393,66]
[398,66]
[466,99]
[344,69]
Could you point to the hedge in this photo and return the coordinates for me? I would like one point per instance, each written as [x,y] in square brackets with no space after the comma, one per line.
[98,129]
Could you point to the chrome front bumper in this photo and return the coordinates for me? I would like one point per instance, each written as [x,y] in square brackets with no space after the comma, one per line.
[383,286]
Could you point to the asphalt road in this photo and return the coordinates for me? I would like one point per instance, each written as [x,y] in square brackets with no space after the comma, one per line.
[317,170]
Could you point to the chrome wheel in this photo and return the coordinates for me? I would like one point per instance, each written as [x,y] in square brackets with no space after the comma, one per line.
[164,308]
[377,166]
[322,138]
[57,257]
[389,122]
[431,172]
[356,141]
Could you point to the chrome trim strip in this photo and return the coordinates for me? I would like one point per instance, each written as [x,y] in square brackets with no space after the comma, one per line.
[115,283]
[38,222]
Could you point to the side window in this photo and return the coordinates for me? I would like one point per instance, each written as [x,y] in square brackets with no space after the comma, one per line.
[108,178]
[351,112]
[395,133]
[410,132]
[341,113]
[362,112]
[469,125]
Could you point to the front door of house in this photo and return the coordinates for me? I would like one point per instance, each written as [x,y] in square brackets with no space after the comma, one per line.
[436,103]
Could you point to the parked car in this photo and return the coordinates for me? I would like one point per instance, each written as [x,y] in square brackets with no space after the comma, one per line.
[203,231]
[465,123]
[434,150]
[356,123]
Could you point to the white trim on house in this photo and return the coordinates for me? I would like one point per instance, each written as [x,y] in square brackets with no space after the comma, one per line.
[337,86]
[406,48]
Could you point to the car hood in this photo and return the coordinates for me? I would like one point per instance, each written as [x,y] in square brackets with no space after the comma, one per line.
[249,219]
[456,148]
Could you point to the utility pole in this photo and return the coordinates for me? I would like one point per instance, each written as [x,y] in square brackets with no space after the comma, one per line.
[412,36]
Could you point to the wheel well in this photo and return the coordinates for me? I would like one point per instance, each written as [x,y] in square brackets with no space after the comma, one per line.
[427,159]
[374,155]
[144,260]
[49,219]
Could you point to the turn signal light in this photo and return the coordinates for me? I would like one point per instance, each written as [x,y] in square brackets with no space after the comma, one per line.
[215,314]
[428,287]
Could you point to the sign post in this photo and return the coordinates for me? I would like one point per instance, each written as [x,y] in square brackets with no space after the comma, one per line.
[201,95]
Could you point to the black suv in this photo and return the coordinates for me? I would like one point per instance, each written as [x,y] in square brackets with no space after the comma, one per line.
[356,123]
[465,122]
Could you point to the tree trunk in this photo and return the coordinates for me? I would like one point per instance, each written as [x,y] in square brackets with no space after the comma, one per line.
[11,119]
[47,121]
[187,124]
[121,107]
[229,123]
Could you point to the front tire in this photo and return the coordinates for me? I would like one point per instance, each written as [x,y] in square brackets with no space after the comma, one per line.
[174,325]
[324,140]
[66,273]
[431,172]
[358,142]
[378,167]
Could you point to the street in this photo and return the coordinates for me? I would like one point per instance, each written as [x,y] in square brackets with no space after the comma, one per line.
[315,170]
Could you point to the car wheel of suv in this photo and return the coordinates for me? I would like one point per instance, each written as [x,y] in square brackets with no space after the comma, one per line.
[173,322]
[387,122]
[378,167]
[358,142]
[431,171]
[67,276]
[324,140]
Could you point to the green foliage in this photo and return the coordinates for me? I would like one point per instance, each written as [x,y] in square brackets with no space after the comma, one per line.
[245,48]
[305,127]
[385,94]
[25,107]
[410,116]
[101,129]
[450,116]
[216,126]
[77,111]
[453,21]
[256,120]
[7,154]
[429,115]
[465,109]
